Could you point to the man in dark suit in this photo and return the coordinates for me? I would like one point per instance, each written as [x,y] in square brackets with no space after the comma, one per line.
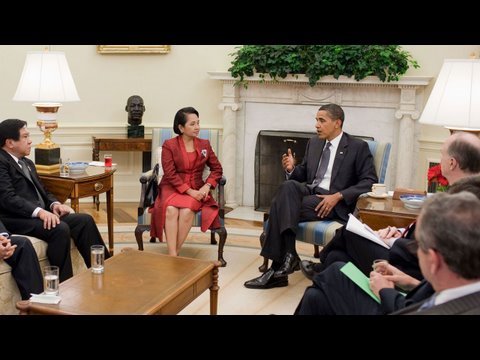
[448,236]
[18,252]
[460,158]
[27,208]
[337,168]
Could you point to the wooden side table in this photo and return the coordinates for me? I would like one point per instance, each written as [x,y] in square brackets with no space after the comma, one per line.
[93,182]
[380,213]
[124,144]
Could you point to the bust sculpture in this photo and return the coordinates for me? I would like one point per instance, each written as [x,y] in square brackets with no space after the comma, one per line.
[135,109]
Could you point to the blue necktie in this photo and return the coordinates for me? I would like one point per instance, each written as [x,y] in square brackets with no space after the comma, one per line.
[25,170]
[430,302]
[322,167]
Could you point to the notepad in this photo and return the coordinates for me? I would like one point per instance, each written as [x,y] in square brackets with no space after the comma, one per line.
[354,225]
[359,278]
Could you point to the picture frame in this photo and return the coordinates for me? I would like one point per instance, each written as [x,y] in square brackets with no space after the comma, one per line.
[133,49]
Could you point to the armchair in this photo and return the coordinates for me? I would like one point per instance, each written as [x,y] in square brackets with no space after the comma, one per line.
[149,182]
[319,233]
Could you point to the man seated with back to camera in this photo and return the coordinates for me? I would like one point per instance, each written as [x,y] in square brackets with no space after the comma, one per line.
[27,208]
[449,256]
[460,158]
[333,184]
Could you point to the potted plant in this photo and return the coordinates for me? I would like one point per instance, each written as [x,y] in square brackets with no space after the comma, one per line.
[387,62]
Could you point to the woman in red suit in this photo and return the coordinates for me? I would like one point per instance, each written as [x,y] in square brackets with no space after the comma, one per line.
[182,191]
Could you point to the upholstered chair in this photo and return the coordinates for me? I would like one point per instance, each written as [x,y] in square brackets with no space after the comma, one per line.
[150,180]
[319,233]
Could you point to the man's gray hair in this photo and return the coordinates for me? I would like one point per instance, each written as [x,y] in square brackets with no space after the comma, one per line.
[448,224]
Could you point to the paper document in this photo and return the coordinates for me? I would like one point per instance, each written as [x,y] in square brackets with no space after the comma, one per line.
[45,299]
[354,225]
[359,278]
[98,163]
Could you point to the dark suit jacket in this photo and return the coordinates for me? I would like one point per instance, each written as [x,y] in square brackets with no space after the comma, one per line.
[392,300]
[353,171]
[3,229]
[465,305]
[18,197]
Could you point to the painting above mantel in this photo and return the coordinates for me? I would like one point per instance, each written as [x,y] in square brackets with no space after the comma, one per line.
[133,49]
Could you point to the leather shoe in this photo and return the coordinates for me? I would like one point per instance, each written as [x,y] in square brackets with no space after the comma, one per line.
[267,281]
[307,268]
[291,264]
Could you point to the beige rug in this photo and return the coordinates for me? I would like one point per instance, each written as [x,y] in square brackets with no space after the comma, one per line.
[234,298]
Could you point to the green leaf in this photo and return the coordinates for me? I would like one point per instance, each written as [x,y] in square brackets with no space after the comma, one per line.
[387,62]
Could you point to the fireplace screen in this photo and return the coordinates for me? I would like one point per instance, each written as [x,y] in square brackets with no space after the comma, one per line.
[269,173]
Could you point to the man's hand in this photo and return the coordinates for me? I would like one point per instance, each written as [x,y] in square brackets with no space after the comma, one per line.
[6,248]
[389,232]
[391,277]
[288,161]
[60,210]
[327,204]
[50,220]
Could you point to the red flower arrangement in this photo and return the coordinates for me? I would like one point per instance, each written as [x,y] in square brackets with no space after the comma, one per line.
[435,176]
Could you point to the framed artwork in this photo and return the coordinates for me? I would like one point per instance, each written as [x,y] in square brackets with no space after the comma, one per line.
[133,49]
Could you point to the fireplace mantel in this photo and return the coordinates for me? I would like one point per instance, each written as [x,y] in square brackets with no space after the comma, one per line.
[386,110]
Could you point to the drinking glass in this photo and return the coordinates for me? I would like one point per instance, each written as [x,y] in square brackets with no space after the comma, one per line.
[108,160]
[51,280]
[97,258]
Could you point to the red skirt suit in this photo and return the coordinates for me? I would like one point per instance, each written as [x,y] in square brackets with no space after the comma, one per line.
[182,171]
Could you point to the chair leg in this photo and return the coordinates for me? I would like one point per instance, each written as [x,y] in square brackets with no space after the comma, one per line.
[316,251]
[213,241]
[139,230]
[264,266]
[222,234]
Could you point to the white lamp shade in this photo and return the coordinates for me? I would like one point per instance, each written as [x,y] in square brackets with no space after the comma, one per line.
[455,99]
[46,77]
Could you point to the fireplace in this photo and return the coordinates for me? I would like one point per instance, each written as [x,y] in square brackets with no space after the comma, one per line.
[269,173]
[385,111]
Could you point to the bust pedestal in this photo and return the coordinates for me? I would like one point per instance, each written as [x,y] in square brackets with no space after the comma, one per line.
[135,131]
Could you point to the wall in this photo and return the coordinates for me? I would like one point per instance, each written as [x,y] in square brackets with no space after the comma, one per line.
[166,83]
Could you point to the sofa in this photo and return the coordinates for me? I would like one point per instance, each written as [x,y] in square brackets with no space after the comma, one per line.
[9,294]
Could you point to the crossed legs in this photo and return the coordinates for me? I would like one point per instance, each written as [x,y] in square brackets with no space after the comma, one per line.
[178,223]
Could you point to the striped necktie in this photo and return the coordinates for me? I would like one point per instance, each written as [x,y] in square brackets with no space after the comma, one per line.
[322,166]
[25,170]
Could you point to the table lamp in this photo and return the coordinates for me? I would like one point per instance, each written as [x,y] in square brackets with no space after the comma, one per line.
[46,80]
[455,99]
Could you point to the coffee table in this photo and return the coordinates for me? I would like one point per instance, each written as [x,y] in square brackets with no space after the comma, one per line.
[134,283]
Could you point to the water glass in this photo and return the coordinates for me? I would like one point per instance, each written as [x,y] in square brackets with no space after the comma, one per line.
[97,258]
[51,280]
[64,169]
[108,160]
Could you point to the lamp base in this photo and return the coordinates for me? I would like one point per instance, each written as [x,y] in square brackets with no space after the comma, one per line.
[47,169]
[47,156]
[136,131]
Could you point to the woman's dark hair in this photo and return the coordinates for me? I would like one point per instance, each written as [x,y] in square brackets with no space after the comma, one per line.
[10,129]
[181,118]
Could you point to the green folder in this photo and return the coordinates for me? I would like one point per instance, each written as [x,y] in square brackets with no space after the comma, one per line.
[359,278]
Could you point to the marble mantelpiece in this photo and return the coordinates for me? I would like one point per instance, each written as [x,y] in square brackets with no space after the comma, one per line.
[386,111]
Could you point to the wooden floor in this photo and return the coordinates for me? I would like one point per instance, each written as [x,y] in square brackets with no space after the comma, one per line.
[125,213]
